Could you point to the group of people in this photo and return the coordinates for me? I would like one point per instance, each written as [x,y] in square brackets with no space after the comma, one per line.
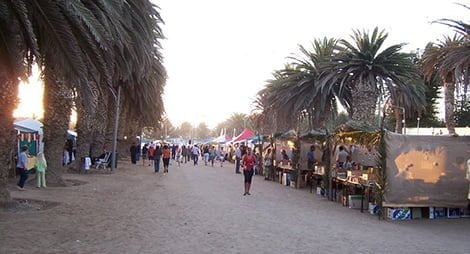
[344,158]
[244,157]
[180,154]
[155,153]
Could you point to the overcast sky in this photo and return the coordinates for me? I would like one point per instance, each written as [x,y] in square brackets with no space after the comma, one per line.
[219,53]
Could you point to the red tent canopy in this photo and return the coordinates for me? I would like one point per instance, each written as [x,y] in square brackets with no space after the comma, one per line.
[246,133]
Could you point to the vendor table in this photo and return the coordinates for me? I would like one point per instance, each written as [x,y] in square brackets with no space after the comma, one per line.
[281,169]
[365,188]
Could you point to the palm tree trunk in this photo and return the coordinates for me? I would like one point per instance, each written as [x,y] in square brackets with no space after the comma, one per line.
[87,123]
[57,109]
[8,102]
[398,121]
[100,122]
[84,135]
[124,138]
[363,104]
[110,112]
[449,101]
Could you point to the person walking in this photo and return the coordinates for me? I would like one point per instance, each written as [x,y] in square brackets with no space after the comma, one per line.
[238,157]
[157,156]
[195,152]
[190,153]
[268,163]
[179,152]
[151,153]
[212,155]
[145,151]
[248,164]
[206,155]
[41,166]
[133,151]
[69,148]
[221,156]
[166,155]
[173,151]
[21,167]
[183,153]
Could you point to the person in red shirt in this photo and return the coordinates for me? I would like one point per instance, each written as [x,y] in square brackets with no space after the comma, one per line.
[151,153]
[166,154]
[248,164]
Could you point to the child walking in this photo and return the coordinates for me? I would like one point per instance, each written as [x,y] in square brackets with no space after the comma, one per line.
[41,166]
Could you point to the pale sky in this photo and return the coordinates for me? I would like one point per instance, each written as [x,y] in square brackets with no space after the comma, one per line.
[219,54]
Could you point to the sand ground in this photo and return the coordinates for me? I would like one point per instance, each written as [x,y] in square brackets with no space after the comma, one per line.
[201,210]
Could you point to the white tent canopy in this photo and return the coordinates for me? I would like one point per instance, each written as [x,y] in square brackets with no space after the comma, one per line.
[28,125]
[222,139]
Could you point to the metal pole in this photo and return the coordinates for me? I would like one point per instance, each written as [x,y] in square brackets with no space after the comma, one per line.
[404,121]
[417,127]
[115,130]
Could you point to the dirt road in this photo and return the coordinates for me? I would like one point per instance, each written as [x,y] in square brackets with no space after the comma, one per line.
[202,210]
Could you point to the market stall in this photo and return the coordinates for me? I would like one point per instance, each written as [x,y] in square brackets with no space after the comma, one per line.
[246,134]
[427,176]
[353,182]
[29,133]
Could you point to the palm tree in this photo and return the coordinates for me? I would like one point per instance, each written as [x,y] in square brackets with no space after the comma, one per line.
[450,60]
[363,69]
[318,104]
[75,70]
[18,47]
[274,100]
[295,95]
[45,33]
[133,36]
[79,45]
[441,58]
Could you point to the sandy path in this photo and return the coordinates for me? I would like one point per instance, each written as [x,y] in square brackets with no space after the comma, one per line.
[202,210]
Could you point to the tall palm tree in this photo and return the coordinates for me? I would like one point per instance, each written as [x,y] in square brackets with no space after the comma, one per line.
[18,47]
[442,58]
[76,43]
[365,70]
[79,24]
[45,33]
[450,60]
[295,95]
[135,61]
[319,104]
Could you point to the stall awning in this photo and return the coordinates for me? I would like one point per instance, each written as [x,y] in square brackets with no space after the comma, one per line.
[222,139]
[246,133]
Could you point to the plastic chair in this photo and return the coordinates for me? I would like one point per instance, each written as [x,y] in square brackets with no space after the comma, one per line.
[103,163]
